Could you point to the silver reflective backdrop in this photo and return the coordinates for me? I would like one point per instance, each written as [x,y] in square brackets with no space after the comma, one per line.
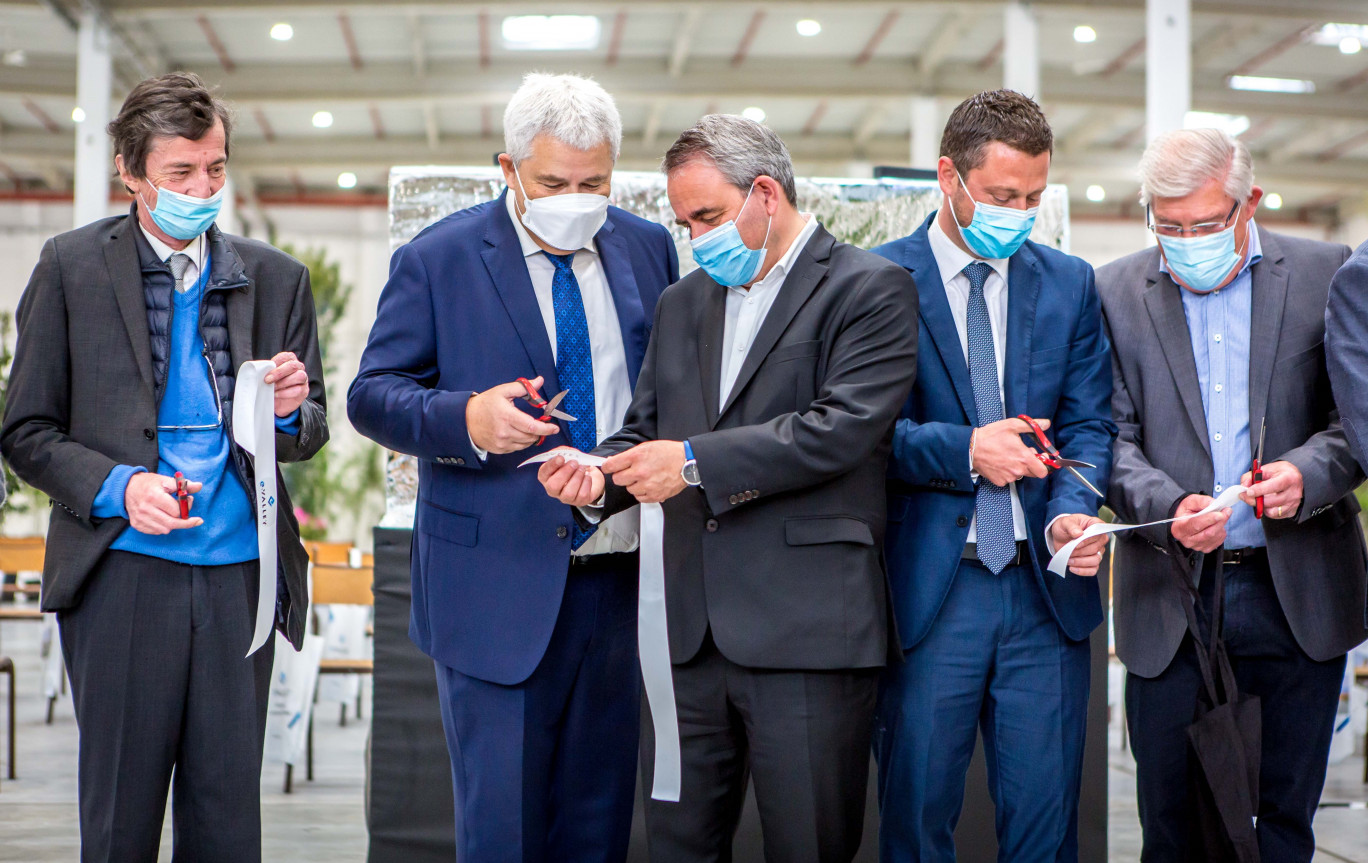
[862,212]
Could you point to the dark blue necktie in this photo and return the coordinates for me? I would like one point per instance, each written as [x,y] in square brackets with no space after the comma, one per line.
[996,535]
[574,363]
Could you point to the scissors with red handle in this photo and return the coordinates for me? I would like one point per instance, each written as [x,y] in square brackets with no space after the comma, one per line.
[183,494]
[1051,458]
[549,409]
[1257,471]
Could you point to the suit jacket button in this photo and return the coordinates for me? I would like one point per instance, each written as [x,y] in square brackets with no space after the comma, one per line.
[732,500]
[149,434]
[962,521]
[460,461]
[711,525]
[562,532]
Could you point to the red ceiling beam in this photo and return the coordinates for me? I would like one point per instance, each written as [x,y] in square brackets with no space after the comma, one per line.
[615,40]
[987,61]
[1122,60]
[1332,153]
[810,127]
[377,124]
[349,38]
[41,116]
[880,33]
[486,122]
[211,36]
[1354,81]
[748,38]
[1277,49]
[266,131]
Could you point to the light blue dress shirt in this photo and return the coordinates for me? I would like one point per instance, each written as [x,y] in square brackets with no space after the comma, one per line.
[1219,325]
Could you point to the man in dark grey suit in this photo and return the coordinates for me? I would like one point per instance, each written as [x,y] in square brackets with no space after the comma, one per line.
[130,334]
[762,419]
[1216,334]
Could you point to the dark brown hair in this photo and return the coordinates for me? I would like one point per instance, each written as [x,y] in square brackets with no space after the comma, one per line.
[994,115]
[176,105]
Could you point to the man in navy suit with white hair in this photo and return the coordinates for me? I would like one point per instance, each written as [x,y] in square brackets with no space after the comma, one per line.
[531,621]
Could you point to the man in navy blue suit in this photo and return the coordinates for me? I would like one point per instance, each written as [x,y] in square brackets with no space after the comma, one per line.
[991,639]
[531,622]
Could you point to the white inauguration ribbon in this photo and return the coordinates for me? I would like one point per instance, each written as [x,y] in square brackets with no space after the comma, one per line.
[1059,564]
[653,638]
[254,430]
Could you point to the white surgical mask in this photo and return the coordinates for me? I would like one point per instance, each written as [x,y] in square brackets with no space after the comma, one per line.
[566,222]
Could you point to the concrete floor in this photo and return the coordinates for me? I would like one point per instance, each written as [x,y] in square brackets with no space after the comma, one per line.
[324,820]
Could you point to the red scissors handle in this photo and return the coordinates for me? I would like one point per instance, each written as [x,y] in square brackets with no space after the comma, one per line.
[537,402]
[1258,501]
[1049,456]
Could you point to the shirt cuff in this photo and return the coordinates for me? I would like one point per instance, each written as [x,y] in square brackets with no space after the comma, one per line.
[288,425]
[109,503]
[1049,543]
[483,454]
[593,513]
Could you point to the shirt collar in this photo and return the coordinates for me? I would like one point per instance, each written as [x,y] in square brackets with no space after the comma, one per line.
[781,268]
[164,252]
[1255,253]
[951,259]
[529,245]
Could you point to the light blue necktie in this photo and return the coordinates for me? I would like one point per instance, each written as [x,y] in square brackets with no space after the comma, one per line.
[574,363]
[996,535]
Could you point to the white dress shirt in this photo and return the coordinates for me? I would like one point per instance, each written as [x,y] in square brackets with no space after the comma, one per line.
[195,251]
[747,309]
[612,386]
[951,261]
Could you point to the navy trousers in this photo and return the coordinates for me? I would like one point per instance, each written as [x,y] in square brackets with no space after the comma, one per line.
[996,661]
[1298,698]
[545,770]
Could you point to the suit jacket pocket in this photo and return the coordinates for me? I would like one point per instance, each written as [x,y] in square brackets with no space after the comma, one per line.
[1300,357]
[456,527]
[818,530]
[795,351]
[1050,355]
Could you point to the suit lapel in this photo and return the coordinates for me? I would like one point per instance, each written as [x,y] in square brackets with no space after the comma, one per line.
[1023,293]
[935,314]
[503,258]
[1165,307]
[631,317]
[1268,280]
[710,348]
[809,268]
[125,277]
[228,273]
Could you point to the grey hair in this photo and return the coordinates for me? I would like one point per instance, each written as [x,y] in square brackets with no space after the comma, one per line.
[1178,163]
[741,149]
[572,109]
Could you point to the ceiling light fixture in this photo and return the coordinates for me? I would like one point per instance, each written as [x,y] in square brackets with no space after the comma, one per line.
[809,27]
[754,113]
[1334,35]
[78,114]
[1350,45]
[1273,201]
[551,32]
[1096,194]
[1084,34]
[1232,124]
[1262,84]
[322,119]
[282,32]
[346,180]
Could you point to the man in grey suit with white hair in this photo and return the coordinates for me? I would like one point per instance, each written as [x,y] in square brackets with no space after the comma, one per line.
[1216,335]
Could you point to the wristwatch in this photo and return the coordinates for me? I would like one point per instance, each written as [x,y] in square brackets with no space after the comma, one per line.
[689,472]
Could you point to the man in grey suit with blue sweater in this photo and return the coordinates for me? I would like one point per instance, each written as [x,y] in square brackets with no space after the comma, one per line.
[1217,333]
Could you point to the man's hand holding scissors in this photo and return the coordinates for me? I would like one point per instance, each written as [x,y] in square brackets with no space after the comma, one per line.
[999,456]
[1281,489]
[496,425]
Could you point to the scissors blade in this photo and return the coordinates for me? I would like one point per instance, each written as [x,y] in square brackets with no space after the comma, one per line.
[1081,478]
[550,407]
[562,415]
[1263,426]
[1073,462]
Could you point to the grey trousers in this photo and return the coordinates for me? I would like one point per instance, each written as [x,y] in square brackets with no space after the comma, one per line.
[165,700]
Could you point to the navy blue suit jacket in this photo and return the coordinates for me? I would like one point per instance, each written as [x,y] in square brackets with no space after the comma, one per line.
[458,315]
[1058,367]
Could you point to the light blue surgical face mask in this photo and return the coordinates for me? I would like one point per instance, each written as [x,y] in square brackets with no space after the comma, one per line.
[184,217]
[1202,263]
[994,232]
[725,257]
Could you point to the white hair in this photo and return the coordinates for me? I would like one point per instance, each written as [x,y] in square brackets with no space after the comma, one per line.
[573,110]
[1176,164]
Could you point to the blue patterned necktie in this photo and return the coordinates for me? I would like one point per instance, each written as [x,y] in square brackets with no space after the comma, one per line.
[996,535]
[574,363]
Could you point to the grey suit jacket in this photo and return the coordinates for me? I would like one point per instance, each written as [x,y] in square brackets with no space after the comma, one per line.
[1317,558]
[82,397]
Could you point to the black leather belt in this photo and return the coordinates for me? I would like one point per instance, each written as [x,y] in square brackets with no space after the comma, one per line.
[624,558]
[1241,556]
[1022,553]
